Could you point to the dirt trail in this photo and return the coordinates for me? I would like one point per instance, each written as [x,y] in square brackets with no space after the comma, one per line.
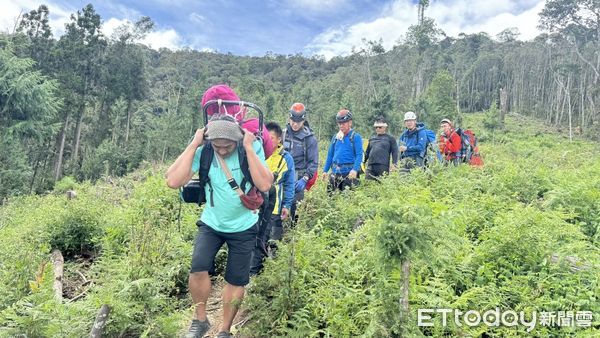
[214,312]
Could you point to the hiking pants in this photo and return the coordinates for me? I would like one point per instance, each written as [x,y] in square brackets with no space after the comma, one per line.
[339,182]
[276,228]
[239,248]
[375,171]
[264,230]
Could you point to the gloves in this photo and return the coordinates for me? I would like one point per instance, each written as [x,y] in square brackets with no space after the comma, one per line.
[300,184]
[352,174]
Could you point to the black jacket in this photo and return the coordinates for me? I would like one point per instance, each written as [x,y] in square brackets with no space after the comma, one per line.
[380,148]
[304,148]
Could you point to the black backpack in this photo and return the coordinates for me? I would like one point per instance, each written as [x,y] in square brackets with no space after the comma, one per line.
[193,191]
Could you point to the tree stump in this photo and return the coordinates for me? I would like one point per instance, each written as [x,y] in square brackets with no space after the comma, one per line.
[503,106]
[100,322]
[71,194]
[58,262]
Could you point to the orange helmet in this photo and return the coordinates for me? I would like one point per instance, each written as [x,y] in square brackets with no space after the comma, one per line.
[298,112]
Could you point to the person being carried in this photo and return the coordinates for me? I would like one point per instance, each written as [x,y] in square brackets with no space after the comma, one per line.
[224,92]
[413,142]
[381,147]
[281,165]
[224,219]
[344,155]
[450,142]
[300,141]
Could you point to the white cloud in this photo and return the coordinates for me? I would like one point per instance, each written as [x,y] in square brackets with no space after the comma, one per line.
[389,27]
[316,5]
[465,16]
[11,9]
[59,15]
[109,26]
[167,38]
[453,17]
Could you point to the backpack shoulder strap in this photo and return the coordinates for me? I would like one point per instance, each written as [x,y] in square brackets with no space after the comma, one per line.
[305,143]
[206,158]
[244,165]
[333,139]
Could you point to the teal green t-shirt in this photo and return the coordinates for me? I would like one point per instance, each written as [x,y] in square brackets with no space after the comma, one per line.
[228,213]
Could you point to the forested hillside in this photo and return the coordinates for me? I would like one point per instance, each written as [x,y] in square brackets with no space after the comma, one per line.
[520,234]
[87,105]
[89,124]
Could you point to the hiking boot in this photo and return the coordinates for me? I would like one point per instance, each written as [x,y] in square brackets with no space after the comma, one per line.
[198,329]
[224,334]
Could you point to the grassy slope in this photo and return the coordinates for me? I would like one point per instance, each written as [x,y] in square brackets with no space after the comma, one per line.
[506,235]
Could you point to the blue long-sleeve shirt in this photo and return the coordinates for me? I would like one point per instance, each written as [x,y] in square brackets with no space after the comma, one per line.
[415,142]
[344,155]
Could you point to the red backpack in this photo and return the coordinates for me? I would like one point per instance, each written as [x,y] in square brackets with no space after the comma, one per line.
[469,151]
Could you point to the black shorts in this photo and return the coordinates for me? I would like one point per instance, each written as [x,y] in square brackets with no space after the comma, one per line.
[239,250]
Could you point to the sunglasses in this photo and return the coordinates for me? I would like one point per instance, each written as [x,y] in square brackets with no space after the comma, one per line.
[379,127]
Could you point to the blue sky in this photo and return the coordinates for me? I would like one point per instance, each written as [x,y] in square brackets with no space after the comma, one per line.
[324,27]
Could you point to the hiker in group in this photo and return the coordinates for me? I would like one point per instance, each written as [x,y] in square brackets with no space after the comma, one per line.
[450,142]
[413,142]
[281,165]
[300,141]
[226,217]
[344,156]
[381,147]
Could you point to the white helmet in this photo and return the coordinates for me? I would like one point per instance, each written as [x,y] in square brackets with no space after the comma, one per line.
[410,116]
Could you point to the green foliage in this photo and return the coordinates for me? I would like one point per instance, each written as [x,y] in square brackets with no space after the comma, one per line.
[65,184]
[439,99]
[108,160]
[78,228]
[514,235]
[13,168]
[122,235]
[492,118]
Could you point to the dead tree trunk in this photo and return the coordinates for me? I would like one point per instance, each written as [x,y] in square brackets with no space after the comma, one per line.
[58,262]
[100,322]
[128,122]
[77,141]
[61,149]
[503,106]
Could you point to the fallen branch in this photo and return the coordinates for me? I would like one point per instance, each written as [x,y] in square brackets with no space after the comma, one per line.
[81,294]
[85,281]
[58,262]
[100,322]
